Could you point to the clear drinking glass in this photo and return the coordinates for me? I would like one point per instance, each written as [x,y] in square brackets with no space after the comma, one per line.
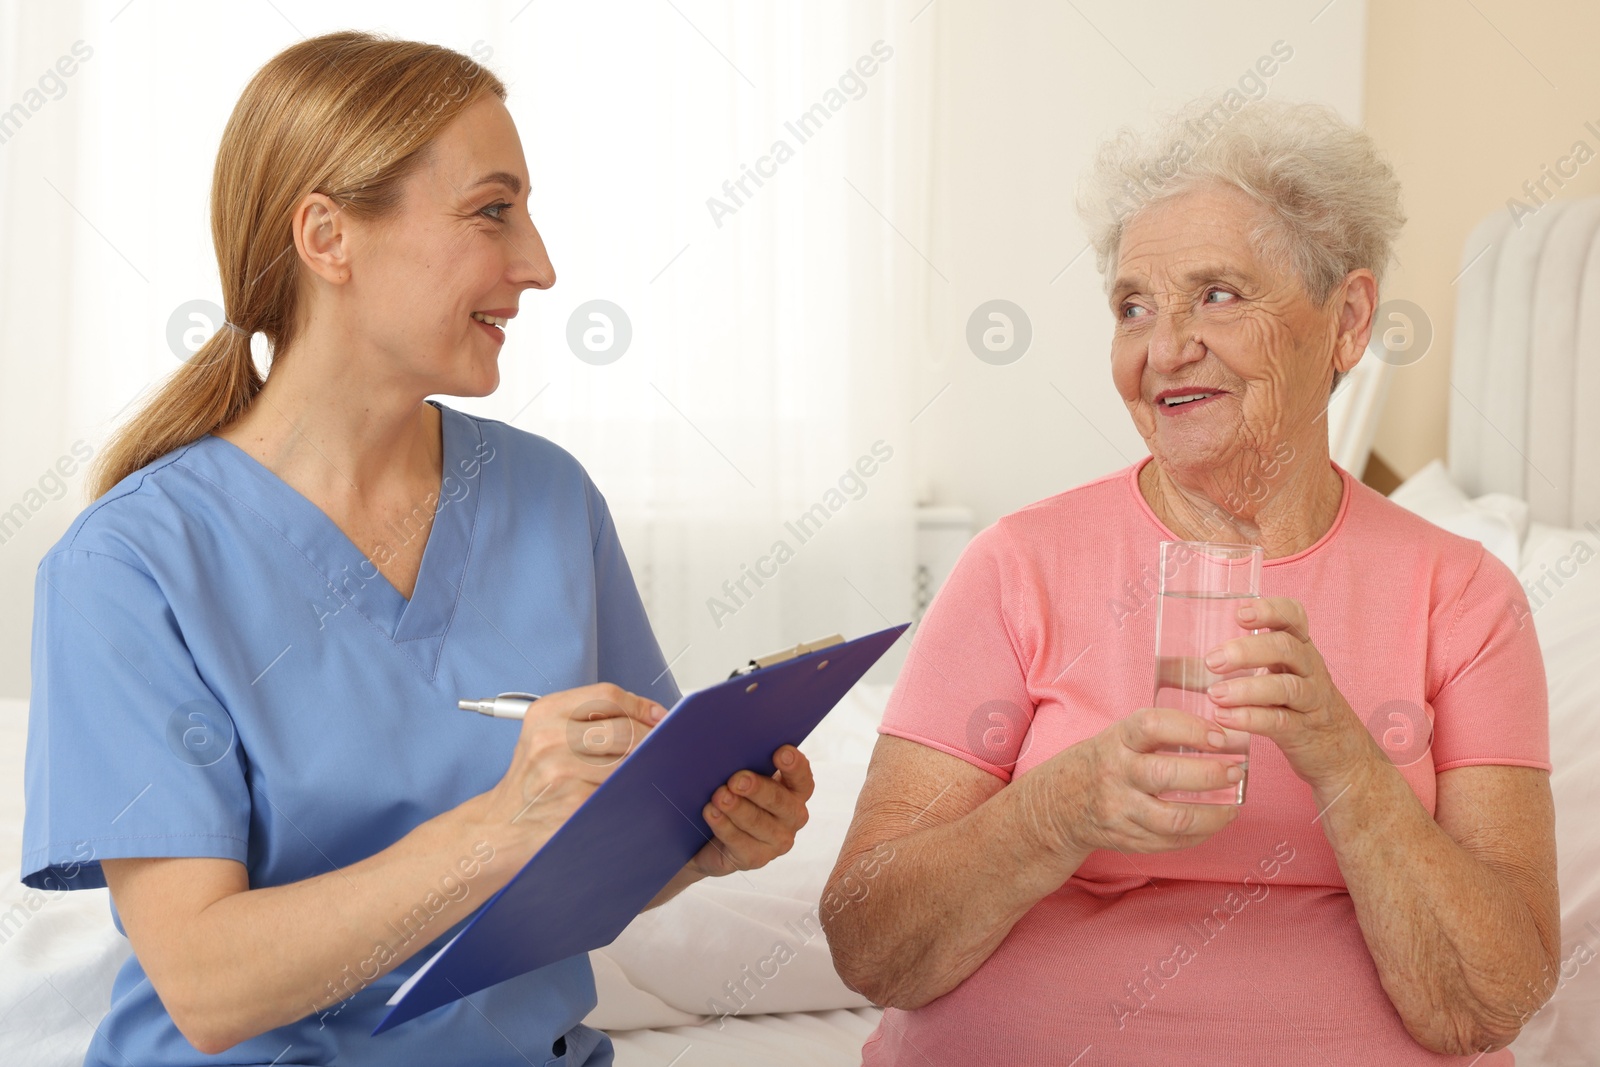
[1202,586]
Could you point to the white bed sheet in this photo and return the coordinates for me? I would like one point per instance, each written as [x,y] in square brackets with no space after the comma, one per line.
[797,1039]
[58,951]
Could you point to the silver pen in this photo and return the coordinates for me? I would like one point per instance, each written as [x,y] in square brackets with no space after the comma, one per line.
[504,706]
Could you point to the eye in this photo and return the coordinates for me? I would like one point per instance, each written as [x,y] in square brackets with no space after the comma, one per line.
[1123,313]
[1213,291]
[493,211]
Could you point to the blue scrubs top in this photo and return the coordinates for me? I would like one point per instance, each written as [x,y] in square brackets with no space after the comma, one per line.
[219,671]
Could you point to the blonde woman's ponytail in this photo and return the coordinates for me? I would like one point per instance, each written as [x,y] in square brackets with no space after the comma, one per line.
[212,389]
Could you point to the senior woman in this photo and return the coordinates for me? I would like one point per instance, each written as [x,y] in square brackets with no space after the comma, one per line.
[248,651]
[1366,904]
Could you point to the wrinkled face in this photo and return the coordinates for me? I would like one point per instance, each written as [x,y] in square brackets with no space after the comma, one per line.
[461,247]
[1219,355]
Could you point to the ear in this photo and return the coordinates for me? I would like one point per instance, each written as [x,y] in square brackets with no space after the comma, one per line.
[1357,303]
[322,238]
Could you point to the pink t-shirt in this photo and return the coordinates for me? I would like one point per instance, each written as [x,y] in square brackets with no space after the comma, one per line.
[1244,949]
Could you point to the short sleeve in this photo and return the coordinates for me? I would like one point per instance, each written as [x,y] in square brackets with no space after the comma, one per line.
[1492,704]
[629,655]
[963,689]
[129,752]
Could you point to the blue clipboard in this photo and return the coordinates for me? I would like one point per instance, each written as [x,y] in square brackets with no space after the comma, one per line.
[638,829]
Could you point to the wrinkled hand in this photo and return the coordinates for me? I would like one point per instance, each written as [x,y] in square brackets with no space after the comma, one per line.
[1295,704]
[755,818]
[1103,791]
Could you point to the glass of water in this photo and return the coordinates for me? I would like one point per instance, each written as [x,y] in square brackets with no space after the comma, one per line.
[1202,586]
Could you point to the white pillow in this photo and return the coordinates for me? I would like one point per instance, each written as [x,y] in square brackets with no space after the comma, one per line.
[747,943]
[1566,617]
[1495,520]
[756,931]
[1560,572]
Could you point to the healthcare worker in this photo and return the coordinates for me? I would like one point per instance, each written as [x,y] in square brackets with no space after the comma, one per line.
[247,651]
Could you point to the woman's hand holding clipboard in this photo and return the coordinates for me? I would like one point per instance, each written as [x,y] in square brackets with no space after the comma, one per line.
[632,826]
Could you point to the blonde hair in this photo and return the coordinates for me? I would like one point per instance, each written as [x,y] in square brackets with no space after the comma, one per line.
[1332,200]
[349,115]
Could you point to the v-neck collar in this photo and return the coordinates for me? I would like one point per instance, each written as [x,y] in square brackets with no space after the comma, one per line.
[417,626]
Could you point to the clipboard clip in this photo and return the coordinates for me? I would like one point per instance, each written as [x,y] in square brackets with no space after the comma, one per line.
[788,654]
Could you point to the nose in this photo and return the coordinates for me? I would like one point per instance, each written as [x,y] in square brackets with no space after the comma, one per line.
[530,266]
[1173,343]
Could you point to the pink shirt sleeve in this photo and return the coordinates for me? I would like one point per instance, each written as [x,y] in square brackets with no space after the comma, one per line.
[963,689]
[1491,704]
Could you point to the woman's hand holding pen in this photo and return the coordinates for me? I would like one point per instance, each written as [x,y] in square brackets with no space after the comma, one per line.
[569,743]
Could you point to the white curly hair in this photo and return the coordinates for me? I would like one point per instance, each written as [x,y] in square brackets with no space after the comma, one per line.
[1332,200]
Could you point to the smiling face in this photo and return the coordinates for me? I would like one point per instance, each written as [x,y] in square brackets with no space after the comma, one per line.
[459,249]
[1219,355]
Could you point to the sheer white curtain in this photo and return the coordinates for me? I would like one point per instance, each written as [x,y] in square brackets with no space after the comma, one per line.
[747,183]
[40,122]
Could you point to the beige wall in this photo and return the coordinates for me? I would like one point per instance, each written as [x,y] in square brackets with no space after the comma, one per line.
[1470,100]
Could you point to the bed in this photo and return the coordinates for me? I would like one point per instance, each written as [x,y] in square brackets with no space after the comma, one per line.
[1523,478]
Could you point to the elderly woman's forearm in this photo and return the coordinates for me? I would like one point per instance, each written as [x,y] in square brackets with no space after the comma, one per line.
[1458,950]
[945,902]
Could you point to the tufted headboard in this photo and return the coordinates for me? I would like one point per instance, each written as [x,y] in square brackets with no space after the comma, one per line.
[1525,372]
